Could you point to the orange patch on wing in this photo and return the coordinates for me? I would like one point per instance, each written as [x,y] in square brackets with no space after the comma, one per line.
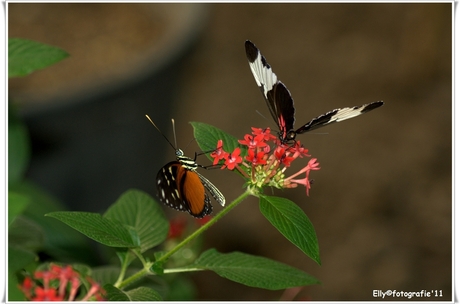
[192,190]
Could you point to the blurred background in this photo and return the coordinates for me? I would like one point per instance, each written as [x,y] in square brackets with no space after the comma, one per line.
[381,203]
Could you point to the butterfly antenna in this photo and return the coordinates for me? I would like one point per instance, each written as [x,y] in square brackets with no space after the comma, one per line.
[192,140]
[174,131]
[261,115]
[148,117]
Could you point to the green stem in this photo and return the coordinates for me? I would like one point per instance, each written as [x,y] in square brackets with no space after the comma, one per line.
[124,266]
[126,261]
[174,270]
[199,231]
[137,276]
[141,258]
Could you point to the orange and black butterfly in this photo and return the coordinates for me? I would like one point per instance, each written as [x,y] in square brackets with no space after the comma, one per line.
[181,187]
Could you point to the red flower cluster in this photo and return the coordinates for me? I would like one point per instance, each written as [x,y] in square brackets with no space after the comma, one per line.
[264,165]
[178,225]
[59,283]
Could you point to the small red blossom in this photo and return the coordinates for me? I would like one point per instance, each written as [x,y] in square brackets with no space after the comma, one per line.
[299,150]
[233,159]
[282,154]
[42,294]
[74,283]
[46,276]
[203,220]
[256,158]
[253,141]
[268,136]
[26,287]
[176,227]
[93,291]
[218,153]
[64,274]
[287,160]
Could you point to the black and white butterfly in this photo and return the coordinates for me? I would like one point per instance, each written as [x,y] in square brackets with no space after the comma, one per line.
[281,104]
[181,187]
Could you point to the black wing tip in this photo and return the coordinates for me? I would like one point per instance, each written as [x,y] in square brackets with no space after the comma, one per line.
[372,106]
[207,209]
[282,90]
[251,51]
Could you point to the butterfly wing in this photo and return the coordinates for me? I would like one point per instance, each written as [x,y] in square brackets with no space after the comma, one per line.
[216,194]
[181,189]
[338,115]
[277,96]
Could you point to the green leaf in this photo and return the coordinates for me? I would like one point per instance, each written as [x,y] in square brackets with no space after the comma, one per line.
[252,270]
[138,210]
[26,56]
[105,274]
[126,256]
[18,258]
[61,242]
[17,203]
[181,288]
[292,222]
[158,268]
[25,233]
[18,147]
[109,275]
[138,294]
[207,137]
[14,294]
[83,269]
[105,231]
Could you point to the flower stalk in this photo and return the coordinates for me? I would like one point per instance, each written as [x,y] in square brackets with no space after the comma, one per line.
[203,228]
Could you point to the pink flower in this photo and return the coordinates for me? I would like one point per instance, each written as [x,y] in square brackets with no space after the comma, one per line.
[312,165]
[53,285]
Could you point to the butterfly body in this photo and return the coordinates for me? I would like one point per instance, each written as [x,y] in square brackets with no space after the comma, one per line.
[181,187]
[281,104]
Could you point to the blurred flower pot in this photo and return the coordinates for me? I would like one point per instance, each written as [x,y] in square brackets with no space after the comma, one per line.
[90,138]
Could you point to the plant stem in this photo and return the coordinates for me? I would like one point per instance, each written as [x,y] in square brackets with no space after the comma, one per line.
[174,270]
[133,278]
[199,231]
[124,266]
[126,261]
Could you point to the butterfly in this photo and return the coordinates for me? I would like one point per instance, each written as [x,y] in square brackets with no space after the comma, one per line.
[281,104]
[181,187]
